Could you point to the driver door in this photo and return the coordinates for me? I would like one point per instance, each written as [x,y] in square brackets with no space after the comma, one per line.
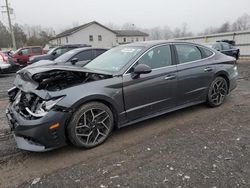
[153,92]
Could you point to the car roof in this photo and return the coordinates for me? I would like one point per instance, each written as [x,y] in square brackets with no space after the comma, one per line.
[87,48]
[158,42]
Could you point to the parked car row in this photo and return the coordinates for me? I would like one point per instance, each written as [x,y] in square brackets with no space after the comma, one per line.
[55,52]
[56,103]
[226,47]
[13,61]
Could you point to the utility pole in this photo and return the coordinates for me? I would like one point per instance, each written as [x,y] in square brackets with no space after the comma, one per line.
[10,26]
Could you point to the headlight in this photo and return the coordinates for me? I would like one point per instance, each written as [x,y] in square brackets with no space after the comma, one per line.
[48,105]
[43,108]
[31,58]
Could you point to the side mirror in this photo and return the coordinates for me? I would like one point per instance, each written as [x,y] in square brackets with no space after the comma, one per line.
[141,69]
[74,60]
[20,53]
[53,53]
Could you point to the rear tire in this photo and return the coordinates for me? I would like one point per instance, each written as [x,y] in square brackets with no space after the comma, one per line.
[217,92]
[90,125]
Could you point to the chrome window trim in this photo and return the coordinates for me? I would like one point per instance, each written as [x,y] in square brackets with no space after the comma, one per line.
[199,50]
[195,45]
[159,45]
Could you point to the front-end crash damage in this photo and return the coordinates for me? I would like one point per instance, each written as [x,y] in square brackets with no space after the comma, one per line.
[33,105]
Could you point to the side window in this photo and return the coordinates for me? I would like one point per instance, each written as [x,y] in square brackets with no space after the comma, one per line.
[156,58]
[25,51]
[91,38]
[206,53]
[187,53]
[216,46]
[37,50]
[99,37]
[225,46]
[61,51]
[84,56]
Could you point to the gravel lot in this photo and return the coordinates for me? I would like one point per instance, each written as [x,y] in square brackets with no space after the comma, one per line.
[194,147]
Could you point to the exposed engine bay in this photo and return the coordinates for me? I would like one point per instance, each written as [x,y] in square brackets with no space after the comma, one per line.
[31,106]
[60,79]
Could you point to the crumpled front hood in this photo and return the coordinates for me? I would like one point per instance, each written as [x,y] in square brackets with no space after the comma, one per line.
[47,80]
[41,63]
[39,68]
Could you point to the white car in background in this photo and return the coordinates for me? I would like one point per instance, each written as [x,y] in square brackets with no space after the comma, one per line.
[4,65]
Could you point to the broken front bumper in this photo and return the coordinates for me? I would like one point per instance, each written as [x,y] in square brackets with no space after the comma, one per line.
[36,135]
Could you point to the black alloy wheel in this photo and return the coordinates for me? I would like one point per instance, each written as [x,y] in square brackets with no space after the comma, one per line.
[91,124]
[218,91]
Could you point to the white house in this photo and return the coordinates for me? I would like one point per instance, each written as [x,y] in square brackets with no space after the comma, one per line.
[98,35]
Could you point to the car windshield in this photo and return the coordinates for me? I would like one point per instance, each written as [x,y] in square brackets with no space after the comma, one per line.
[65,57]
[51,50]
[115,59]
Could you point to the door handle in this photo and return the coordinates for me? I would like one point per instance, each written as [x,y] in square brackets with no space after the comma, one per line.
[170,77]
[208,69]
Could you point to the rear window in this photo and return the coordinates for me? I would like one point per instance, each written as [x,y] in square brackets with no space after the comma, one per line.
[225,46]
[84,56]
[207,53]
[37,50]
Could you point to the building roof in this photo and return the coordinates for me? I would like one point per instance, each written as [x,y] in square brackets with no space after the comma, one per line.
[127,33]
[117,32]
[75,29]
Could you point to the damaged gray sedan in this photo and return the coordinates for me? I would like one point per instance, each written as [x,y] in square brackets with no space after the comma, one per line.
[51,106]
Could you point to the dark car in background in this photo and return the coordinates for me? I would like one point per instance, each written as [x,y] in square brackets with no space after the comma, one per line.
[22,55]
[55,52]
[225,48]
[6,64]
[53,105]
[77,56]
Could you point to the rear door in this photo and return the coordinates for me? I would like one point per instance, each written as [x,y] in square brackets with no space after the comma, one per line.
[195,73]
[153,92]
[228,49]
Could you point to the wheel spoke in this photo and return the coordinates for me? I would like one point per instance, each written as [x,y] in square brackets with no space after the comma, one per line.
[93,126]
[82,134]
[92,114]
[100,114]
[97,135]
[82,126]
[89,136]
[101,133]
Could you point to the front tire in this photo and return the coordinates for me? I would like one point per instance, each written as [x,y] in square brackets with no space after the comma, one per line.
[217,92]
[90,125]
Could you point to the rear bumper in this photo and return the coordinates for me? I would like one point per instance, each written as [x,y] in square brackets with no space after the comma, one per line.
[35,135]
[233,79]
[4,67]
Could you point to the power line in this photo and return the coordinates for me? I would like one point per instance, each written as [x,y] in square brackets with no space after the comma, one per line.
[9,11]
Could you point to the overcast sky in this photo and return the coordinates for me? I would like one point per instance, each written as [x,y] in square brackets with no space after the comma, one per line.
[59,14]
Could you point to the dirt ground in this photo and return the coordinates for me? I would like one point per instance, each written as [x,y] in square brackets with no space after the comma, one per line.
[193,147]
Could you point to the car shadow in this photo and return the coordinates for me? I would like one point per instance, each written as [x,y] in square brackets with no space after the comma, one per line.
[122,133]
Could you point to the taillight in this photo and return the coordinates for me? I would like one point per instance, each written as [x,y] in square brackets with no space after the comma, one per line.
[5,58]
[1,57]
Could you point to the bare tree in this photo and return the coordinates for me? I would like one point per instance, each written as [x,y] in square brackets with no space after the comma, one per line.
[242,23]
[225,27]
[129,26]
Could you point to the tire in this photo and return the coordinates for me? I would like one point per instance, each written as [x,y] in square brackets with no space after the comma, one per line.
[217,92]
[90,125]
